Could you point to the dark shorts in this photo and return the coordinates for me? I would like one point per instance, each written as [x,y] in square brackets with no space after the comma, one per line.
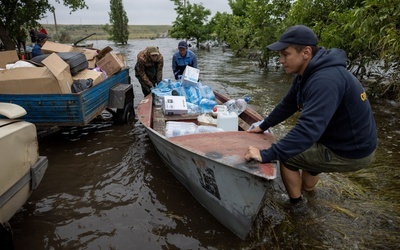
[319,159]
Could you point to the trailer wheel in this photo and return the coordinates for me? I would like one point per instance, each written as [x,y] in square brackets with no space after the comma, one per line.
[125,115]
[6,236]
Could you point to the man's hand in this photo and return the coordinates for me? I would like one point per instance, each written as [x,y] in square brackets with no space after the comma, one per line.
[255,130]
[253,153]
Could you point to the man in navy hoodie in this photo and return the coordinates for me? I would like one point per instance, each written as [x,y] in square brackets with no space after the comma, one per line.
[336,130]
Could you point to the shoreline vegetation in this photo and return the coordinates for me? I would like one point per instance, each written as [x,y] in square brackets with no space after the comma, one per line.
[75,32]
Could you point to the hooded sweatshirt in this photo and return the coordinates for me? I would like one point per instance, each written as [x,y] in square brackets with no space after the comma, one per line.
[334,110]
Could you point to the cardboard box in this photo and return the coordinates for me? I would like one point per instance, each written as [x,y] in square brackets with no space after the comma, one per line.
[6,57]
[55,78]
[122,58]
[50,47]
[110,63]
[175,105]
[97,76]
[104,52]
[91,57]
[190,77]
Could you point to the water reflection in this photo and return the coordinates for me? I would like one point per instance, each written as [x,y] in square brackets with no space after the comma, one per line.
[106,187]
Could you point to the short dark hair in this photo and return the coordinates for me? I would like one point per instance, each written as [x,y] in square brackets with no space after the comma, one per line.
[299,48]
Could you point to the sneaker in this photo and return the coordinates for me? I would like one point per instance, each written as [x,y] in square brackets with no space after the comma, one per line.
[299,208]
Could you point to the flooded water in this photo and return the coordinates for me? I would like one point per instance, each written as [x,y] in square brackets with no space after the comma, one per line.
[106,187]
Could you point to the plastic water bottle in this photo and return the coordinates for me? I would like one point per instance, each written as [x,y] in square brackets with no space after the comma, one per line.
[206,92]
[241,105]
[193,95]
[193,108]
[163,84]
[229,104]
[237,106]
[207,105]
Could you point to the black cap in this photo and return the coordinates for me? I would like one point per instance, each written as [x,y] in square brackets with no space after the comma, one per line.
[298,35]
[41,36]
[182,44]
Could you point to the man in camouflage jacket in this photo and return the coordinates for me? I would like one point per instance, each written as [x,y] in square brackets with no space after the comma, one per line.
[148,69]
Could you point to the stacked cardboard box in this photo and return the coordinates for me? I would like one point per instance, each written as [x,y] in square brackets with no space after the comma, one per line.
[55,77]
[110,63]
[97,76]
[6,57]
[50,47]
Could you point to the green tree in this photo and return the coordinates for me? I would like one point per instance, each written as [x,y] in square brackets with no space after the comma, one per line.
[369,31]
[220,25]
[238,7]
[191,22]
[15,14]
[264,19]
[230,28]
[118,30]
[376,24]
[330,21]
[251,26]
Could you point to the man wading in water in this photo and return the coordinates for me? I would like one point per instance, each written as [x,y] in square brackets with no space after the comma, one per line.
[336,130]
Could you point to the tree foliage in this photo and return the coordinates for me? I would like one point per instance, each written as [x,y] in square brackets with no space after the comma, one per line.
[191,22]
[251,26]
[17,14]
[118,30]
[368,30]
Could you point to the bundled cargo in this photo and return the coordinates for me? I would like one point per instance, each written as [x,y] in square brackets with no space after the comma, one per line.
[200,98]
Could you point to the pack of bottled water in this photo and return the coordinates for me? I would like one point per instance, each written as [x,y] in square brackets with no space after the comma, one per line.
[199,97]
[206,92]
[207,105]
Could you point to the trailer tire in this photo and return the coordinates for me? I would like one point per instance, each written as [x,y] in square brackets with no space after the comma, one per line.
[125,115]
[6,236]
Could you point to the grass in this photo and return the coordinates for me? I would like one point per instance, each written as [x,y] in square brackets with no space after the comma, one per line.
[77,32]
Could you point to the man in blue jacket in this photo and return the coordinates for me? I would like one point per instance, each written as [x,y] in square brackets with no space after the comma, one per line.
[41,39]
[336,130]
[183,58]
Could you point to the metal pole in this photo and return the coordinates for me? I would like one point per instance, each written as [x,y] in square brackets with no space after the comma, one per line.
[55,21]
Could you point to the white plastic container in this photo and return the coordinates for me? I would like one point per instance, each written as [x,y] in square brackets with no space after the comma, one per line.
[228,121]
[218,109]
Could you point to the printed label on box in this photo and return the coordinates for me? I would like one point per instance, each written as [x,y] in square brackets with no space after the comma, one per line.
[190,76]
[175,105]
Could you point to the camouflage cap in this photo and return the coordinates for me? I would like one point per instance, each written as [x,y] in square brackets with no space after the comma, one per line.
[152,50]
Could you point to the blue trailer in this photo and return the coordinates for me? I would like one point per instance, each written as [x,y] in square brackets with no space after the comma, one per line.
[55,111]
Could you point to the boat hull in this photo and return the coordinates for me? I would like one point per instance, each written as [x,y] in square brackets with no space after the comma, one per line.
[232,196]
[213,168]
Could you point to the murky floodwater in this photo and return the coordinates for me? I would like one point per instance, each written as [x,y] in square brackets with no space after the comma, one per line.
[106,187]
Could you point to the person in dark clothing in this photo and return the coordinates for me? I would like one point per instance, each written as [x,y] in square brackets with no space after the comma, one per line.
[21,40]
[183,58]
[33,33]
[336,130]
[40,41]
[148,68]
